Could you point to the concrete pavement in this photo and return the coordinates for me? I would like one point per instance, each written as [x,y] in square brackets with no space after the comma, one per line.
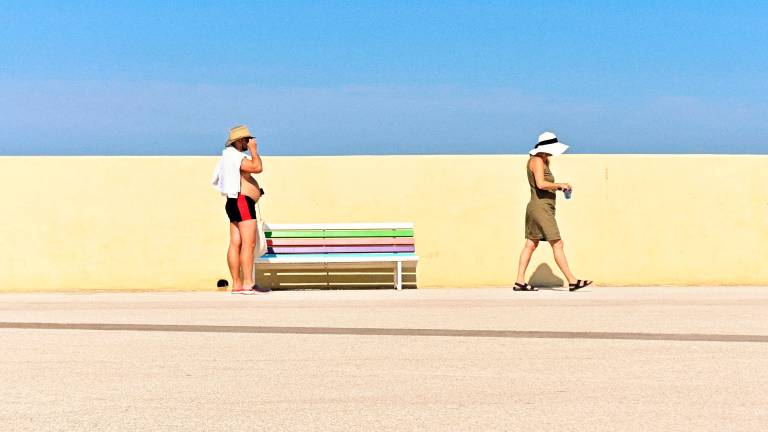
[380,373]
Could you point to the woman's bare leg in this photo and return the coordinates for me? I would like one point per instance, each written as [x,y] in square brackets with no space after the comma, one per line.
[248,236]
[558,249]
[233,255]
[525,258]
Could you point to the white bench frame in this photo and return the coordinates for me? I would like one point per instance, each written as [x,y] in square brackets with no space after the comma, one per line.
[397,261]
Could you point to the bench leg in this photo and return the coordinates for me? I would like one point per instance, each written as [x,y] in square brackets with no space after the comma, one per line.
[399,275]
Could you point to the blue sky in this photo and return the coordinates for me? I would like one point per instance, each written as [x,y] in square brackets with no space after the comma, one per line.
[387,77]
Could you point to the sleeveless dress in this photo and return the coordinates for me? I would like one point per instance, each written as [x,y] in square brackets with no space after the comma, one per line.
[540,223]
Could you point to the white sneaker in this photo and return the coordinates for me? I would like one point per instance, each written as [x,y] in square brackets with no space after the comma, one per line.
[243,291]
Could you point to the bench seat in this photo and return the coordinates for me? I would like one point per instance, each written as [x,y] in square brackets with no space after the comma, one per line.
[339,244]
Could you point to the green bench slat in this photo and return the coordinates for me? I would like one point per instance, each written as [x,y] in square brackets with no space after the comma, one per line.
[339,233]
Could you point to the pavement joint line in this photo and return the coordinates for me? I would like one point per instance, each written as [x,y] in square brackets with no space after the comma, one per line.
[369,331]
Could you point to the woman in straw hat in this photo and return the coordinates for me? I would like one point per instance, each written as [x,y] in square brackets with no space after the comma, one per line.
[232,177]
[540,223]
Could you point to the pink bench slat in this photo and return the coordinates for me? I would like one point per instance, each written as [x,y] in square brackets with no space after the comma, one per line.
[341,241]
[340,249]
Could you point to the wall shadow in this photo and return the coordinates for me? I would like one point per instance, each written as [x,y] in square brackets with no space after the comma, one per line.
[543,277]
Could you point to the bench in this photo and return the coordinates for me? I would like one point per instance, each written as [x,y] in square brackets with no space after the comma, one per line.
[340,245]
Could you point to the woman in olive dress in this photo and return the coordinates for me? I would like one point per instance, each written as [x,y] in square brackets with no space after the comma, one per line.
[540,223]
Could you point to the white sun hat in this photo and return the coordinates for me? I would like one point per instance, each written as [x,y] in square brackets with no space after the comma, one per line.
[548,143]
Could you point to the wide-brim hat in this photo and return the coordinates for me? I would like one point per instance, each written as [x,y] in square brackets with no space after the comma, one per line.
[548,143]
[236,133]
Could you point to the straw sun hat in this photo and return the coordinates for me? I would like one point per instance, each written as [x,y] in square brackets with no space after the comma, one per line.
[548,143]
[237,133]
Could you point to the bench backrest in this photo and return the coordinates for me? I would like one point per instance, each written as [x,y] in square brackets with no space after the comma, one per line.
[340,238]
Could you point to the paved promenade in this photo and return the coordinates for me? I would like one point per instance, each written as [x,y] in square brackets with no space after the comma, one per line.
[630,359]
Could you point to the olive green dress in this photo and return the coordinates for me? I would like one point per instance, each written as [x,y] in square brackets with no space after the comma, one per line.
[540,223]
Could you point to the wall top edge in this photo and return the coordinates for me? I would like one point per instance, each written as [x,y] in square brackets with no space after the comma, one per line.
[485,156]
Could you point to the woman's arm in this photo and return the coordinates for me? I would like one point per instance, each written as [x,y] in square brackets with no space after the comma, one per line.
[537,166]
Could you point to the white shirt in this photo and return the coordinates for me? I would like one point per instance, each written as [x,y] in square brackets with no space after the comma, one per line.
[226,175]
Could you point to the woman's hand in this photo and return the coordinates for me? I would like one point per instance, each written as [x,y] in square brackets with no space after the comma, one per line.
[564,186]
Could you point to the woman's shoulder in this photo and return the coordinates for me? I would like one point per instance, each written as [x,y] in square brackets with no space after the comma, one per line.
[533,162]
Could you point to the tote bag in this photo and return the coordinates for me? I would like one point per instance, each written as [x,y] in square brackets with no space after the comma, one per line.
[261,238]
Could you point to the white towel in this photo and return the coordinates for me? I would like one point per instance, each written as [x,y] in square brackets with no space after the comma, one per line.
[226,175]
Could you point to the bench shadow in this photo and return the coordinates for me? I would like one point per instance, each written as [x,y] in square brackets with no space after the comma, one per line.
[544,278]
[300,277]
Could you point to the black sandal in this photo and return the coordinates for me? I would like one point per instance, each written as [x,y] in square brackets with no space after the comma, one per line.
[579,284]
[524,287]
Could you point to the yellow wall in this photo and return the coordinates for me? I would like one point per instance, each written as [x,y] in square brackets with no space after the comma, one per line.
[83,223]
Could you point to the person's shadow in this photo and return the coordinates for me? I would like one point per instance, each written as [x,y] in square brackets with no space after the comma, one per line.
[544,278]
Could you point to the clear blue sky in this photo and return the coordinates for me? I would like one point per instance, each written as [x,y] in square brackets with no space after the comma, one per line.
[385,77]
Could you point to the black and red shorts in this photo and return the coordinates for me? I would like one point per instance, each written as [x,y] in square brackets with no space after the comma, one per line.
[240,209]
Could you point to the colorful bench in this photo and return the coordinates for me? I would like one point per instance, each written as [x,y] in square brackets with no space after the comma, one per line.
[339,244]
